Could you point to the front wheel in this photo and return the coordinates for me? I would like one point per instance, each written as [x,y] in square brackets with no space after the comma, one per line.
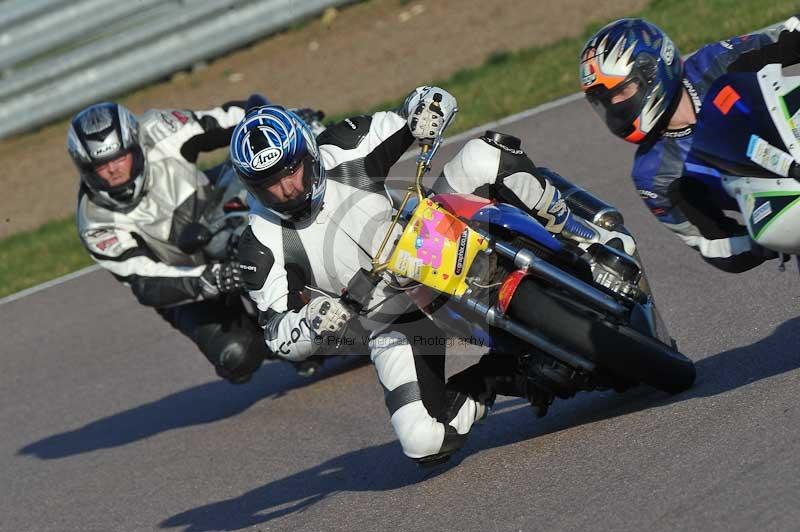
[618,349]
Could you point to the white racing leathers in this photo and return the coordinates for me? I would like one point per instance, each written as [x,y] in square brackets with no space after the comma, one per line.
[139,244]
[490,169]
[321,255]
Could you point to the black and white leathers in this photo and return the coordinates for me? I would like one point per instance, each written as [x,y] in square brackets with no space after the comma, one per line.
[344,236]
[495,171]
[138,244]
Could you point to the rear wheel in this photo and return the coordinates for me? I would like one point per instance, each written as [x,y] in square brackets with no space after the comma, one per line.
[618,349]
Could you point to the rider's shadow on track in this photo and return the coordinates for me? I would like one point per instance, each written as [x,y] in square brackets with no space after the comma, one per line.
[355,471]
[198,405]
[377,468]
[773,355]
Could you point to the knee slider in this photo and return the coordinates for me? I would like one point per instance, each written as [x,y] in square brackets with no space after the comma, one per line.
[419,434]
[453,441]
[238,360]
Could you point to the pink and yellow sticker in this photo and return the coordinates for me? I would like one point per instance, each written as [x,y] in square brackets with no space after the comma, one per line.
[436,249]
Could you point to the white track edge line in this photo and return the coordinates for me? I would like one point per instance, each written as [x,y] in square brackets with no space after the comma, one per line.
[504,121]
[49,284]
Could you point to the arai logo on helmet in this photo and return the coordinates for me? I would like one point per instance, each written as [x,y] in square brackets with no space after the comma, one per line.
[266,158]
[667,51]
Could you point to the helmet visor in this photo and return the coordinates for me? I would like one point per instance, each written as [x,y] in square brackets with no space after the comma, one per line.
[619,107]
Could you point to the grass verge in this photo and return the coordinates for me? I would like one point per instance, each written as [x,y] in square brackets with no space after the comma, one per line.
[50,251]
[509,82]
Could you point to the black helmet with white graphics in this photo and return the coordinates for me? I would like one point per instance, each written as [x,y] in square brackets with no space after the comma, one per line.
[99,135]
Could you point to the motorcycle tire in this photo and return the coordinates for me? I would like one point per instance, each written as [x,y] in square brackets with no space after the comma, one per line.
[618,349]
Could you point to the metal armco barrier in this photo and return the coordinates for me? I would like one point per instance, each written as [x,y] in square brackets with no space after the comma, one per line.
[99,55]
[15,11]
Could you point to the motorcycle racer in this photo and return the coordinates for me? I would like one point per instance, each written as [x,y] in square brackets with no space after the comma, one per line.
[634,78]
[139,189]
[323,200]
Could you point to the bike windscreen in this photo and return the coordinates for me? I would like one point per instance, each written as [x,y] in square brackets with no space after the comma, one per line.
[732,117]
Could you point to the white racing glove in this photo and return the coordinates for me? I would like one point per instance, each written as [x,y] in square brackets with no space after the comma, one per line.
[327,315]
[429,110]
[793,24]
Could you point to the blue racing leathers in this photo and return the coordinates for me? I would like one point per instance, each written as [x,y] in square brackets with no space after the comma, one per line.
[702,215]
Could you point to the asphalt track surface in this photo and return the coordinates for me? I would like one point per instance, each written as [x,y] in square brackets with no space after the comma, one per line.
[112,421]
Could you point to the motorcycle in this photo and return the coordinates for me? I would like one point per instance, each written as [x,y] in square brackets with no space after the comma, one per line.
[747,146]
[576,313]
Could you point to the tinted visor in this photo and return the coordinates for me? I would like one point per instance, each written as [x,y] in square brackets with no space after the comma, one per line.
[618,113]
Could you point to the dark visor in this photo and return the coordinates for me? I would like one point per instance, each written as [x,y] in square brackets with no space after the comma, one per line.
[618,116]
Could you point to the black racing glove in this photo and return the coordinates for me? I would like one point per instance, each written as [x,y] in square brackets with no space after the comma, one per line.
[221,278]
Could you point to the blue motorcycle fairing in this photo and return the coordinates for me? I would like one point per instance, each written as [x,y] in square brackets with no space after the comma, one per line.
[518,221]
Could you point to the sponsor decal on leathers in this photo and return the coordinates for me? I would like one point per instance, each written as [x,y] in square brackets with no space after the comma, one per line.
[107,243]
[169,121]
[182,118]
[294,335]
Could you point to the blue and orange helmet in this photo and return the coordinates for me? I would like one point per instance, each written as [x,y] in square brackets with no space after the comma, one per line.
[631,74]
[269,144]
